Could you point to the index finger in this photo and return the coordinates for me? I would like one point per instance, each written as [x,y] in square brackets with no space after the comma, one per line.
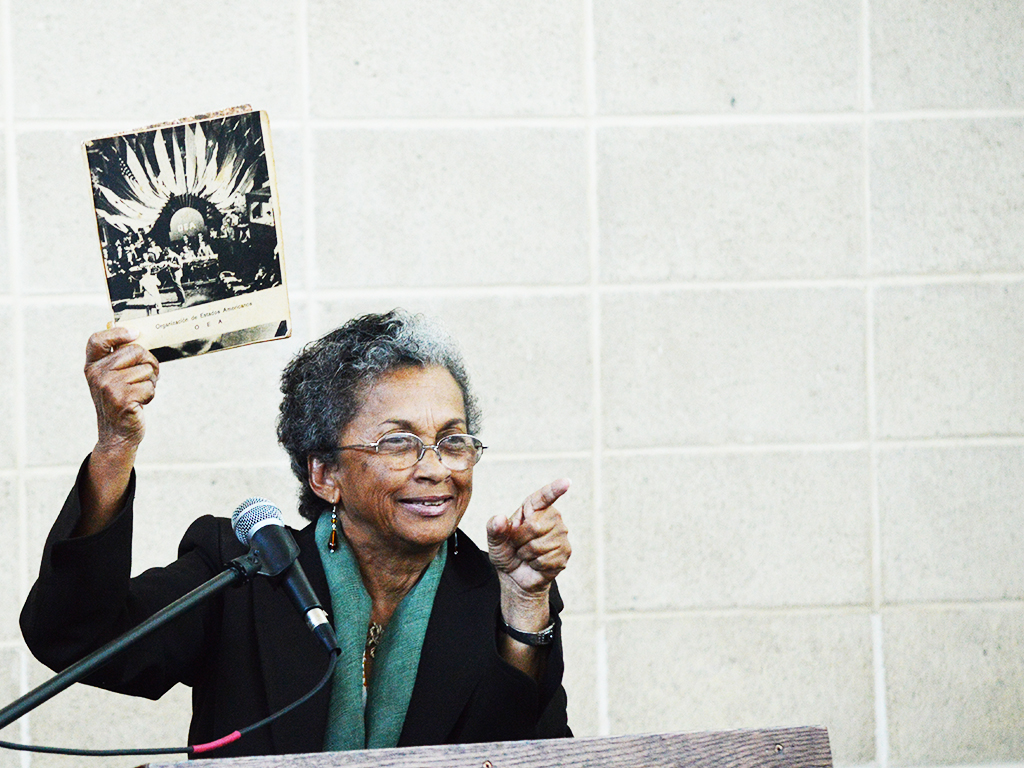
[546,496]
[102,343]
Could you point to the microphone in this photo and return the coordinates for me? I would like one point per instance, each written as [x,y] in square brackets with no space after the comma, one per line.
[259,525]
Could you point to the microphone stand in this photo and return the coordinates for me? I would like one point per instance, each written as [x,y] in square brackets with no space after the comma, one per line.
[241,568]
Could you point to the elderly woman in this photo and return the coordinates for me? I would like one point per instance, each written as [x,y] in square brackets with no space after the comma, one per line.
[440,642]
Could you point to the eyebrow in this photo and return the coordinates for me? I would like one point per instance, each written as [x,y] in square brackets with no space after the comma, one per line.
[401,423]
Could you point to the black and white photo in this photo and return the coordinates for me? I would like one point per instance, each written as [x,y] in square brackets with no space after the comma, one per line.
[189,227]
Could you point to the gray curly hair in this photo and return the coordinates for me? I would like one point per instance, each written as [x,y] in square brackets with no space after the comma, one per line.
[324,385]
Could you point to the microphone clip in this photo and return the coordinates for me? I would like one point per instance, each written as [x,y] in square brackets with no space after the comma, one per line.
[246,566]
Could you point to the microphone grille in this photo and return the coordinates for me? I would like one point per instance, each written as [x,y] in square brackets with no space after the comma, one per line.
[250,514]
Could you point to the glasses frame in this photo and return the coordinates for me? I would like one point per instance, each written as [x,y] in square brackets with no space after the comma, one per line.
[375,447]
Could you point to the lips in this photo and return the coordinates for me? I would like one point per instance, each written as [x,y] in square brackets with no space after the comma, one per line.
[427,506]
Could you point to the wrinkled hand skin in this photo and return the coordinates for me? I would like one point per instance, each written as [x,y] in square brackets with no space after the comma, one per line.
[528,550]
[532,547]
[122,380]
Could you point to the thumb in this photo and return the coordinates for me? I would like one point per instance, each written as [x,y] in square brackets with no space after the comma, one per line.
[498,530]
[500,549]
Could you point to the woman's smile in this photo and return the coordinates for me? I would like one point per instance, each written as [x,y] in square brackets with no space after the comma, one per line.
[427,506]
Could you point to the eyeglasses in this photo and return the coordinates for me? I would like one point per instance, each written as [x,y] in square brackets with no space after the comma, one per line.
[402,450]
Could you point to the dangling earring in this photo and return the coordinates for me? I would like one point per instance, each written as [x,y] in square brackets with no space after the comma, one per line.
[332,542]
[455,549]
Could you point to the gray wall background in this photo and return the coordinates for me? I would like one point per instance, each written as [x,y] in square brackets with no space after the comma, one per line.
[749,272]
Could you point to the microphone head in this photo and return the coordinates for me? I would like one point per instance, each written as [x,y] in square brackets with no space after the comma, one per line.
[252,514]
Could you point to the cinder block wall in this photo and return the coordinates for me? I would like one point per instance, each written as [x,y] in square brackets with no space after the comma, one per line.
[751,273]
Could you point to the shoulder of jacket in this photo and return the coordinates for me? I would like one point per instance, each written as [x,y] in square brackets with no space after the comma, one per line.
[213,536]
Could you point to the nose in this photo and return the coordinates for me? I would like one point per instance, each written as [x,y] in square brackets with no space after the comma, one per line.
[434,466]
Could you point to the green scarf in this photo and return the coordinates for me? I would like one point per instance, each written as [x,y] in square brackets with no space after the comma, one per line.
[351,724]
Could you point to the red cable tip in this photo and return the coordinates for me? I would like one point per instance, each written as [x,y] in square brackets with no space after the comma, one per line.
[197,748]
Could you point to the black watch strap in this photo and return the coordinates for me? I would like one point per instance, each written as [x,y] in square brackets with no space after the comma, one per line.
[545,637]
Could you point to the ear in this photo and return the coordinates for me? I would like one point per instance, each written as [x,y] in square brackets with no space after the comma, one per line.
[323,479]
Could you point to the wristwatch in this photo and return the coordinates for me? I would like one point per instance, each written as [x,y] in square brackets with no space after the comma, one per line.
[545,637]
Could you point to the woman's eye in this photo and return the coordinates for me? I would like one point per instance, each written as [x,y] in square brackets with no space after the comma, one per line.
[396,444]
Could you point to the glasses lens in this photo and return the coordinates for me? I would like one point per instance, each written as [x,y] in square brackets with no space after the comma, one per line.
[460,451]
[400,451]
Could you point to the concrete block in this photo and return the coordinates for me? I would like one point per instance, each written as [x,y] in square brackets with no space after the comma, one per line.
[745,366]
[717,672]
[954,684]
[168,500]
[454,207]
[59,417]
[5,252]
[579,641]
[726,530]
[153,62]
[731,203]
[528,359]
[951,523]
[60,247]
[289,162]
[948,361]
[9,402]
[90,718]
[44,498]
[934,54]
[946,196]
[742,56]
[501,485]
[10,530]
[451,58]
[219,407]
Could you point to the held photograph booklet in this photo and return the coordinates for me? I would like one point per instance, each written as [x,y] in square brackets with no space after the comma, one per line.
[190,230]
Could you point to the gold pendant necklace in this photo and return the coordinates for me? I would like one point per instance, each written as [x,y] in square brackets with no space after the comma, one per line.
[373,635]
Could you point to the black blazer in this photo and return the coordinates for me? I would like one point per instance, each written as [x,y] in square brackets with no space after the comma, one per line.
[247,652]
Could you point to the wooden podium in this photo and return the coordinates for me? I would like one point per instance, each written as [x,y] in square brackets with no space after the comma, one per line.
[805,747]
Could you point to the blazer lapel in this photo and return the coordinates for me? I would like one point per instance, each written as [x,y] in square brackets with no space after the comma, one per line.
[456,647]
[292,660]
